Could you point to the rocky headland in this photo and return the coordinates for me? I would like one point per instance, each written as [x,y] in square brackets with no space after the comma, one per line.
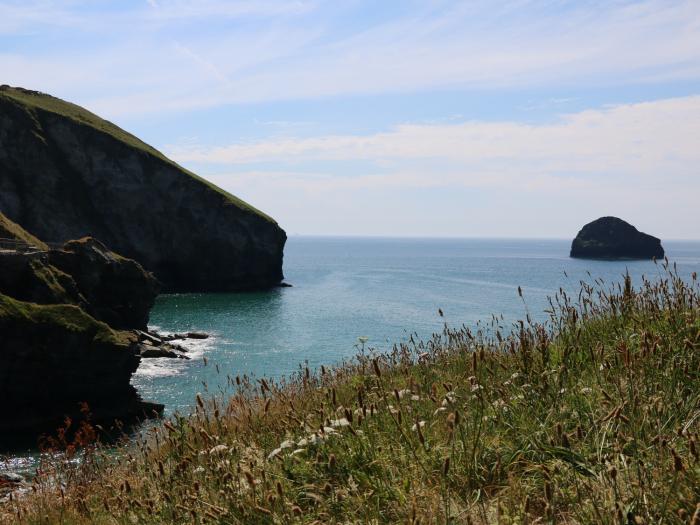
[68,174]
[613,238]
[69,320]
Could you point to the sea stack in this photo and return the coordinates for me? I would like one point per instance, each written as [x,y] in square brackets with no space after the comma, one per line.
[613,238]
[69,174]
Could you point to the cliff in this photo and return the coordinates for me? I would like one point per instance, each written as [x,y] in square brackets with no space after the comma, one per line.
[67,174]
[613,238]
[55,357]
[57,349]
[84,273]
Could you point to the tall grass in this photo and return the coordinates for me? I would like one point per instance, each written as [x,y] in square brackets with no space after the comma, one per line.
[592,417]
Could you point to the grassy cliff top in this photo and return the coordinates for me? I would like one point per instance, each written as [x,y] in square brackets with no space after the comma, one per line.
[12,230]
[36,100]
[58,317]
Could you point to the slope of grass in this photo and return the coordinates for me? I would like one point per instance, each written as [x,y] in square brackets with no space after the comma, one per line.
[35,100]
[13,231]
[55,319]
[592,418]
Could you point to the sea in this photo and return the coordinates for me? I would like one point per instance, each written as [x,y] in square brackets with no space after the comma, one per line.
[350,291]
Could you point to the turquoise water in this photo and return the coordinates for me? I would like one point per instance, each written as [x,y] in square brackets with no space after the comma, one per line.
[382,289]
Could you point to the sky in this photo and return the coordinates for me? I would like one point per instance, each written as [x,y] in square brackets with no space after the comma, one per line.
[475,118]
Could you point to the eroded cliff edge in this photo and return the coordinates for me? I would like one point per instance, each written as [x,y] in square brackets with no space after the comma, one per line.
[65,174]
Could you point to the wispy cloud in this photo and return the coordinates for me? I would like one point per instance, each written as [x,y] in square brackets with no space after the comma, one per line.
[304,49]
[630,160]
[652,137]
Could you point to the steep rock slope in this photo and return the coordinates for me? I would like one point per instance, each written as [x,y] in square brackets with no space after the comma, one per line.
[66,173]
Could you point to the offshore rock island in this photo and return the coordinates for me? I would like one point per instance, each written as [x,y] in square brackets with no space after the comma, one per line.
[68,174]
[613,238]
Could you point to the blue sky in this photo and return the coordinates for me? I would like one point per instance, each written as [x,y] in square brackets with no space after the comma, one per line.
[519,118]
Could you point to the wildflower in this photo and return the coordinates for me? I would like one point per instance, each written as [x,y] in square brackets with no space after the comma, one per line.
[476,387]
[199,470]
[415,427]
[403,393]
[274,454]
[218,449]
[342,422]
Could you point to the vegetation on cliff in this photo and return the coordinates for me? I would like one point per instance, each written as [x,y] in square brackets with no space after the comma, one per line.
[37,101]
[14,232]
[591,418]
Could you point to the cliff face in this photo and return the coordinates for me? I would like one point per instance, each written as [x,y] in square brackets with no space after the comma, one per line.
[116,290]
[56,348]
[55,357]
[66,174]
[613,238]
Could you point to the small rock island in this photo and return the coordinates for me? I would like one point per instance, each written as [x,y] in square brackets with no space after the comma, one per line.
[613,238]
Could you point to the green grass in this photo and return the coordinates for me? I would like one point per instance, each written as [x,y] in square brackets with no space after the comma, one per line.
[11,230]
[36,101]
[591,418]
[37,320]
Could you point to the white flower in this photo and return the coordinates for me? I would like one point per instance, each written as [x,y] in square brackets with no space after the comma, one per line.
[586,390]
[199,470]
[218,449]
[274,454]
[415,426]
[415,398]
[342,422]
[476,387]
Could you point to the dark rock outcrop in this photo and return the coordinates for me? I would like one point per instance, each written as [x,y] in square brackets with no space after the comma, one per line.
[117,290]
[54,353]
[84,273]
[68,174]
[613,238]
[54,358]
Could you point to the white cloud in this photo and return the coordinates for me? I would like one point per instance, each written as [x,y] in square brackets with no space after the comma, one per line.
[646,138]
[285,49]
[632,160]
